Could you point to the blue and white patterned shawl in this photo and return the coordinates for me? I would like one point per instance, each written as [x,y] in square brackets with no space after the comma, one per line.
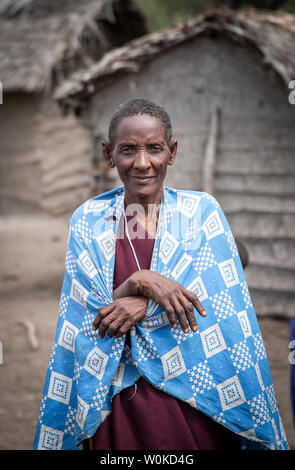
[222,369]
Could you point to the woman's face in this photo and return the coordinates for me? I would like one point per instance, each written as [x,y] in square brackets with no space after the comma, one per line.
[141,155]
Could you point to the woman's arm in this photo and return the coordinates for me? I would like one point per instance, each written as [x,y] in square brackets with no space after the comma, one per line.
[126,289]
[142,285]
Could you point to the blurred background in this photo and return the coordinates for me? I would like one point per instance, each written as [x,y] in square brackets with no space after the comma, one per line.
[223,71]
[171,12]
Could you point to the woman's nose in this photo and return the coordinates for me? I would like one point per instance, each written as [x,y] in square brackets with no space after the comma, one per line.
[142,160]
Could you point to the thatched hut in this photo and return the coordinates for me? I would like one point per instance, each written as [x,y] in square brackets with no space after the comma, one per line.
[223,77]
[46,158]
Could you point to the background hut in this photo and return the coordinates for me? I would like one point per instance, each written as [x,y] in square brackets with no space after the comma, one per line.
[223,77]
[45,158]
[45,163]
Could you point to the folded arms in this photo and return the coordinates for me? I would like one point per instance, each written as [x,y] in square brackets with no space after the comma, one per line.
[130,302]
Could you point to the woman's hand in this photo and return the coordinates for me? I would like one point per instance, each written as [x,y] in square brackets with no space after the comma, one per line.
[175,299]
[120,316]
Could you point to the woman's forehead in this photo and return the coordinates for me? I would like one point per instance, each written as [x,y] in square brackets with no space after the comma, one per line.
[141,125]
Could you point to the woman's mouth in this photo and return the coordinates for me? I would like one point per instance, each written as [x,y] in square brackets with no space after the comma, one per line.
[142,179]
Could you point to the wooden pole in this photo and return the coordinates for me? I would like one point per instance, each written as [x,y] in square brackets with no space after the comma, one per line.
[211,153]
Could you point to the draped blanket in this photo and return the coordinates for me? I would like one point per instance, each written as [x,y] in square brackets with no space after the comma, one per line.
[221,369]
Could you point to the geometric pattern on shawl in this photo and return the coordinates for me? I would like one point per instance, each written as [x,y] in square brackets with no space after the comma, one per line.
[222,369]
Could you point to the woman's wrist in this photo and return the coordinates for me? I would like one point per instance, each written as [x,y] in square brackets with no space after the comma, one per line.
[138,284]
[133,286]
[122,291]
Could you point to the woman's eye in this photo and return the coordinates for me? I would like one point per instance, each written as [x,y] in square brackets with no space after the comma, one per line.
[127,150]
[155,148]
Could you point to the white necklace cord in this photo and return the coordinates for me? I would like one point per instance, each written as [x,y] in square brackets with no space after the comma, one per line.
[130,243]
[135,388]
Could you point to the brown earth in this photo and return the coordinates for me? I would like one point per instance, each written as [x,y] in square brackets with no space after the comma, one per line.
[31,272]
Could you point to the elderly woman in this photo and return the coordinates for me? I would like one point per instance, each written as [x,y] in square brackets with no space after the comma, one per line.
[157,344]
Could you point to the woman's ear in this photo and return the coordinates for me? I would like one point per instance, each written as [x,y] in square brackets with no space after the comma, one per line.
[107,153]
[173,151]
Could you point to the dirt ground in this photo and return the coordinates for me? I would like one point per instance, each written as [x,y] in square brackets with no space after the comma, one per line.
[31,271]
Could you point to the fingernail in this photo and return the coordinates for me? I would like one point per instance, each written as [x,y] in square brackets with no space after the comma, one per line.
[195,328]
[186,330]
[204,313]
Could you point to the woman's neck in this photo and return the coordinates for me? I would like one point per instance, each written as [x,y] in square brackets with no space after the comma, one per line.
[146,212]
[146,201]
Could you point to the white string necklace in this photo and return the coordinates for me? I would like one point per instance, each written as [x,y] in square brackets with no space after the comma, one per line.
[130,242]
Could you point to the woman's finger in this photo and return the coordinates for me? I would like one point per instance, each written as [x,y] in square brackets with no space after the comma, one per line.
[102,313]
[124,328]
[104,324]
[190,315]
[170,314]
[114,326]
[196,303]
[181,314]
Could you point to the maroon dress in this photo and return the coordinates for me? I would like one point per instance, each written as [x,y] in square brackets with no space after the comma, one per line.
[144,417]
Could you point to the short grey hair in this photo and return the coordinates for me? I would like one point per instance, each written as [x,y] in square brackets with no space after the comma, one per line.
[136,106]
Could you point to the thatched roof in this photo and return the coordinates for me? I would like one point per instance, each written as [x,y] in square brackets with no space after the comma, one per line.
[272,33]
[43,41]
